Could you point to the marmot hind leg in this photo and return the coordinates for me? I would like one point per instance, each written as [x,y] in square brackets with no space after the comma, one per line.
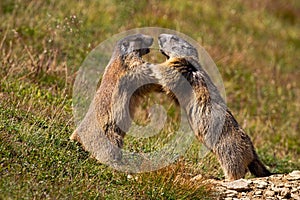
[233,163]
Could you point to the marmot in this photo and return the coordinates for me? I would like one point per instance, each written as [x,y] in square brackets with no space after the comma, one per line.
[127,76]
[208,115]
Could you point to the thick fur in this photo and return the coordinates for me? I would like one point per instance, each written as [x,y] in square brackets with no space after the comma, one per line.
[209,117]
[102,130]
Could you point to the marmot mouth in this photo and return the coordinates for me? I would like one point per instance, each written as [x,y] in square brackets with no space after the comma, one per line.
[142,52]
[164,53]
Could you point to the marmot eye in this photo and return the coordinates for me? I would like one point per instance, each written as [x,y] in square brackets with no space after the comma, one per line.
[175,38]
[138,39]
[125,44]
[174,48]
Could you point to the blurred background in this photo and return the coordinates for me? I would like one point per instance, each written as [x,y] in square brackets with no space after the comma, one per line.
[255,45]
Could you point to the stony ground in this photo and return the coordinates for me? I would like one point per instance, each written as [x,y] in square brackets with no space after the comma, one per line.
[279,186]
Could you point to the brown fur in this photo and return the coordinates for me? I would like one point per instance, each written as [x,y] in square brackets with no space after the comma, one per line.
[232,146]
[102,130]
[209,117]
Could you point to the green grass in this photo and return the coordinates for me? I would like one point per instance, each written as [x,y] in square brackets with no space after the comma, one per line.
[256,47]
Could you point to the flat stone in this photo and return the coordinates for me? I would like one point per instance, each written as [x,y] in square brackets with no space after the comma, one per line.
[288,185]
[294,190]
[231,193]
[237,185]
[295,196]
[285,192]
[256,196]
[259,192]
[276,176]
[295,183]
[243,193]
[292,178]
[261,184]
[269,193]
[280,185]
[276,189]
[295,173]
[220,188]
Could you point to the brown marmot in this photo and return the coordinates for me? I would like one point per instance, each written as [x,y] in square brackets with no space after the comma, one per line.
[208,115]
[126,77]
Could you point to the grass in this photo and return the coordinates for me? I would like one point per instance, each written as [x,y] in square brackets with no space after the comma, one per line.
[255,45]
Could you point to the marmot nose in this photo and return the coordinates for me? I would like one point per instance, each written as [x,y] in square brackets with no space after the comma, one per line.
[149,41]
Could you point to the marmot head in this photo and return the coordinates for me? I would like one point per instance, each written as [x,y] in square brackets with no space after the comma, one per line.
[128,51]
[137,44]
[173,46]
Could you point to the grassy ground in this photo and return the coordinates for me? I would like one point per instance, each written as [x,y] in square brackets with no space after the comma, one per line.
[255,45]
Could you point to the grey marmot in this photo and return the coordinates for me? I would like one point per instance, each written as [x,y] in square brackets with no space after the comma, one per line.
[210,119]
[126,77]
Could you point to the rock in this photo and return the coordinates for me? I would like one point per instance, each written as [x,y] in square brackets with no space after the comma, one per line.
[220,188]
[295,196]
[245,198]
[270,198]
[256,197]
[285,192]
[238,185]
[294,175]
[288,185]
[231,193]
[278,176]
[277,187]
[258,192]
[243,193]
[280,185]
[270,193]
[294,190]
[261,184]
